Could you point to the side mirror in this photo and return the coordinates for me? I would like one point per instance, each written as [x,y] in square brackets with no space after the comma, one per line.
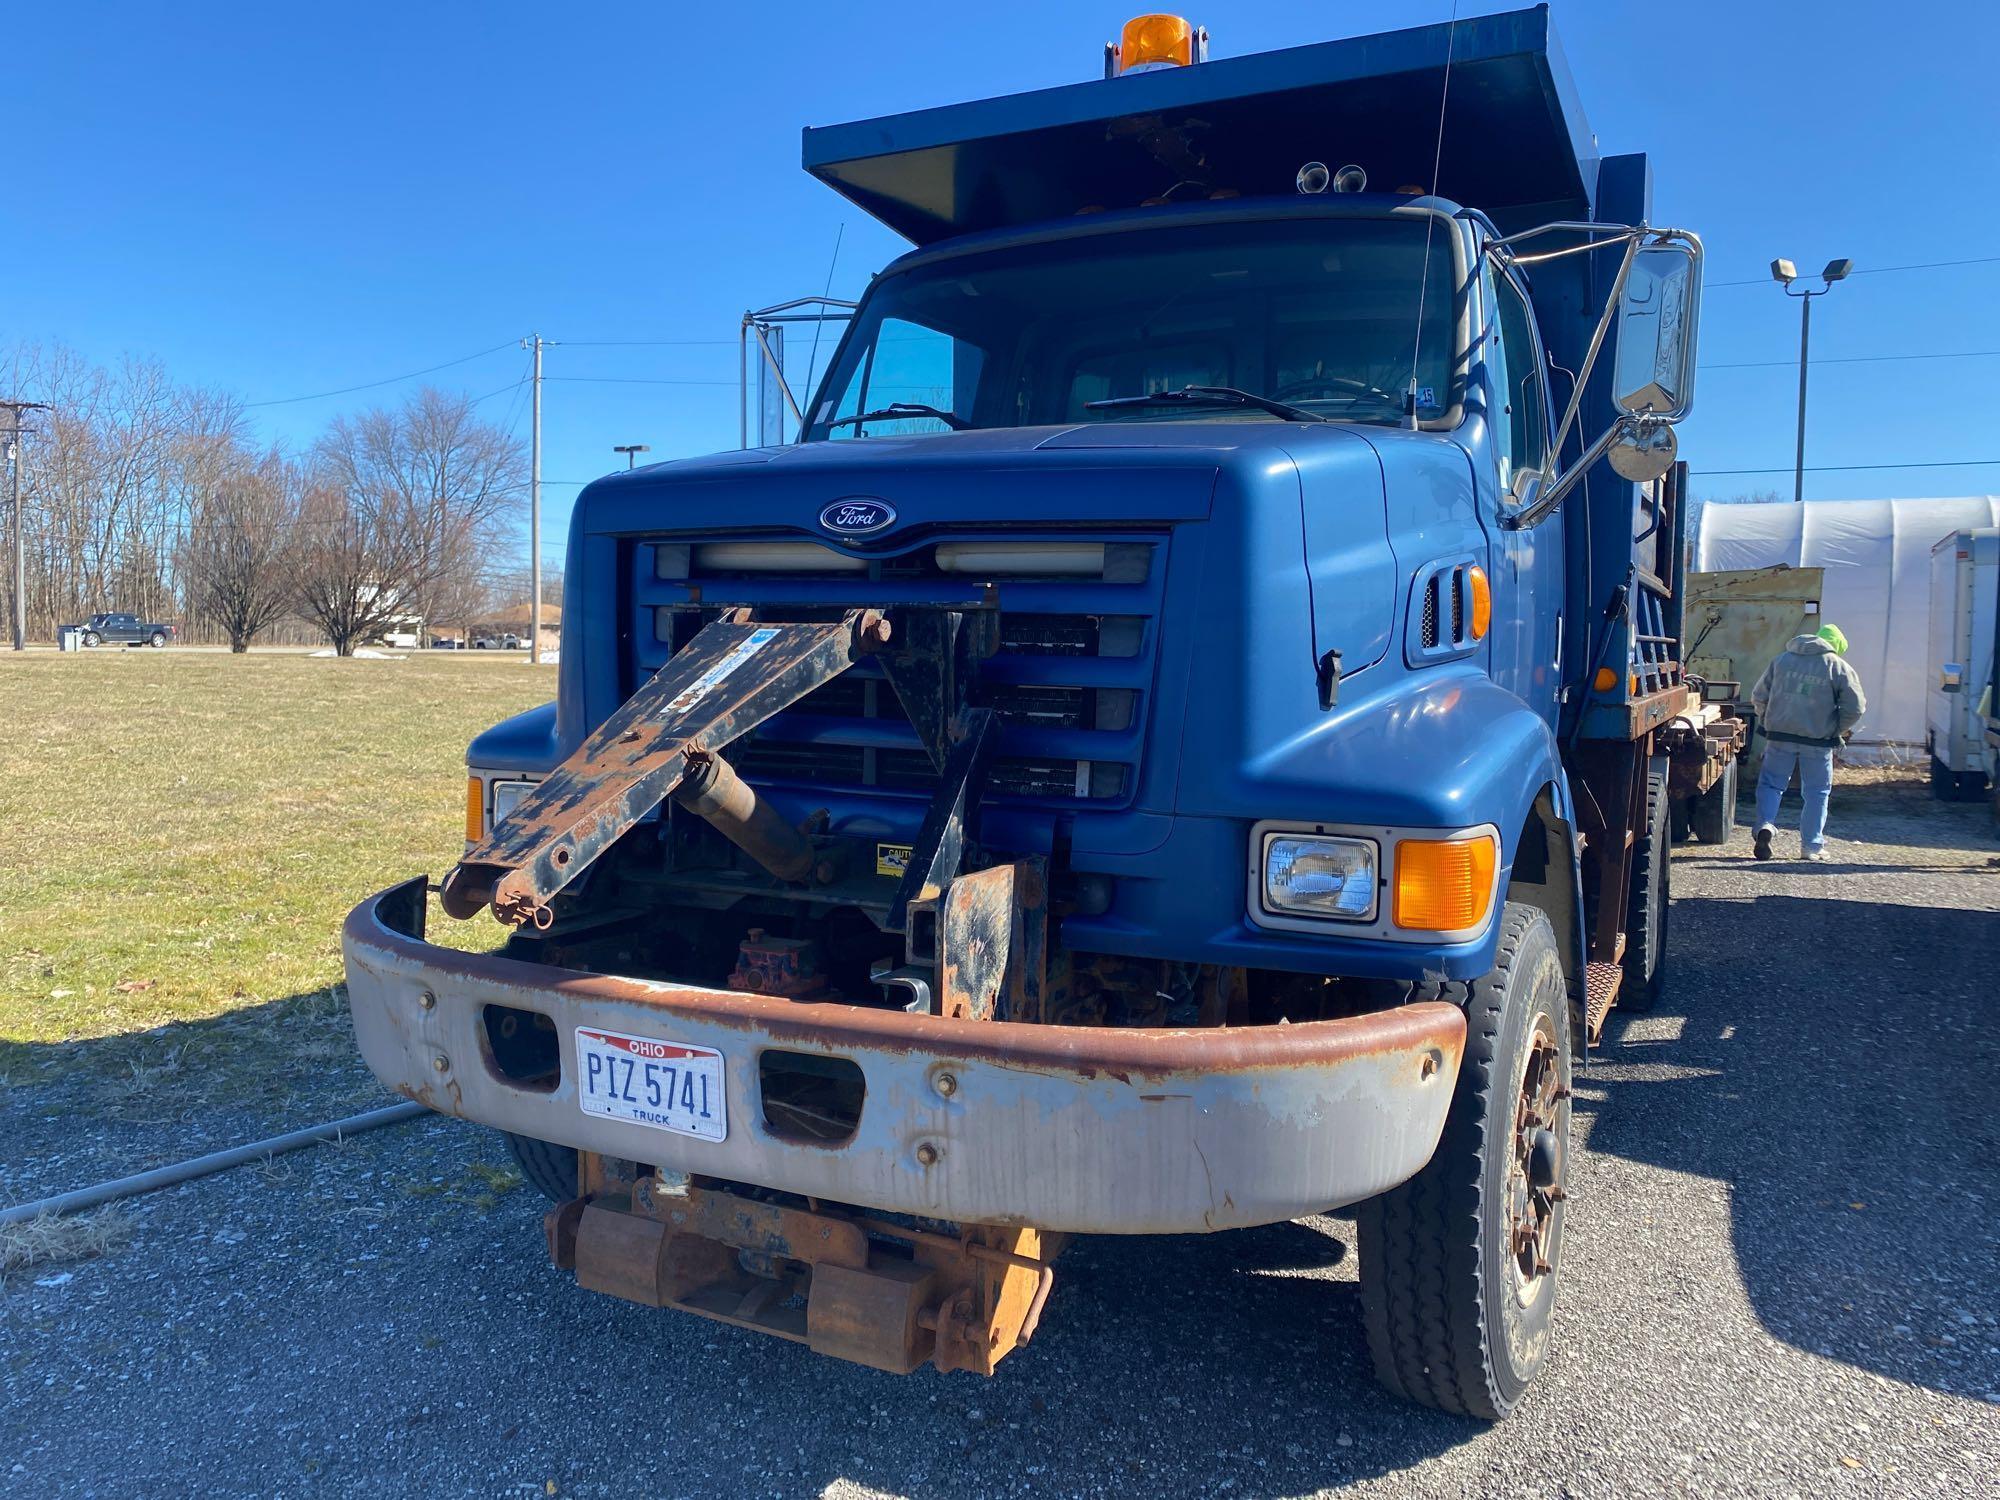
[1657,319]
[1642,449]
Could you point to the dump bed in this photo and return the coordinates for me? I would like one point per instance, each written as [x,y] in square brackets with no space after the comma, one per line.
[1515,141]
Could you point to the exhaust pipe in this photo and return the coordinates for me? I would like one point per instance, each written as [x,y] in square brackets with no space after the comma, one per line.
[712,790]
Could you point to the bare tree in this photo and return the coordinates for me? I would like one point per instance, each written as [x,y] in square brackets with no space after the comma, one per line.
[239,559]
[402,506]
[108,479]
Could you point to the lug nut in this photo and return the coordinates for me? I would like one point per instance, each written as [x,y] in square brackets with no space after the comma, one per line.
[441,1063]
[426,1000]
[927,1155]
[947,1085]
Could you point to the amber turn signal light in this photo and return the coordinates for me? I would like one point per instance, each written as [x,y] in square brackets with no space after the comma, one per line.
[1481,590]
[1445,885]
[475,810]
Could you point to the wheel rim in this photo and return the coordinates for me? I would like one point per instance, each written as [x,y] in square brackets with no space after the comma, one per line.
[1532,1206]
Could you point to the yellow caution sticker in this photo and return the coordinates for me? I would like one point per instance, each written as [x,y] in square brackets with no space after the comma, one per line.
[892,859]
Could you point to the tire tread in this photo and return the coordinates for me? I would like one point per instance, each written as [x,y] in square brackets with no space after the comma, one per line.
[549,1168]
[1422,1272]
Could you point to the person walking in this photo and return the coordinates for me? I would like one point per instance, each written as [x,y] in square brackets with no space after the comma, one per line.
[1807,701]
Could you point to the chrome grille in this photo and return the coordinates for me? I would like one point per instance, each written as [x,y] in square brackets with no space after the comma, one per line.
[1068,682]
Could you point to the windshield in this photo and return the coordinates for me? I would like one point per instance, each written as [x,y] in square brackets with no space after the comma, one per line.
[1319,313]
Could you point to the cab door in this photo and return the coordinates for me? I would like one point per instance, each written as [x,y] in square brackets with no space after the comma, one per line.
[1528,569]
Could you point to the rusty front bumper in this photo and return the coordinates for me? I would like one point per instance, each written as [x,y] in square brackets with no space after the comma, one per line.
[1093,1130]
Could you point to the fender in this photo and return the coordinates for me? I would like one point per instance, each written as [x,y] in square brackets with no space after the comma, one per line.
[525,742]
[1443,748]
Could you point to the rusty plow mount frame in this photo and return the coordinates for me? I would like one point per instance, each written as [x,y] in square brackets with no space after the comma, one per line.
[664,742]
[862,1288]
[859,1288]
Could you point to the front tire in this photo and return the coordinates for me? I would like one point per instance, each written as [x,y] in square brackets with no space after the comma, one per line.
[549,1168]
[92,638]
[1460,1265]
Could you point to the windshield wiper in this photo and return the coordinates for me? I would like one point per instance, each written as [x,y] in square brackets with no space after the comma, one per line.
[905,409]
[1209,395]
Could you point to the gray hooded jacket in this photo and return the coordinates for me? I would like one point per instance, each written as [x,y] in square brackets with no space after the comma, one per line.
[1809,695]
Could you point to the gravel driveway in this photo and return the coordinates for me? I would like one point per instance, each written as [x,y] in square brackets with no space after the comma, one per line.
[1783,1256]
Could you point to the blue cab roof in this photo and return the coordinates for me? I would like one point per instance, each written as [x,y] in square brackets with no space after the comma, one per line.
[1515,142]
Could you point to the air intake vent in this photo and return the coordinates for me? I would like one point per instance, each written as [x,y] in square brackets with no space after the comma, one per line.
[1442,610]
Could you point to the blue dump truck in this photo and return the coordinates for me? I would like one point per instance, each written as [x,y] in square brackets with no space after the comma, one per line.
[1183,740]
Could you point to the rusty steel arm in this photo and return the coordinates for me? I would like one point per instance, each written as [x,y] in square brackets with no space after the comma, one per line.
[731,677]
[940,845]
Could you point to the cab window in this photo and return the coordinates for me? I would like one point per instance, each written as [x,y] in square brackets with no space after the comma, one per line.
[908,363]
[1523,424]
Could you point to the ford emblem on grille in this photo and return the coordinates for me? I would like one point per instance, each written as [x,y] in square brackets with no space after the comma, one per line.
[857,517]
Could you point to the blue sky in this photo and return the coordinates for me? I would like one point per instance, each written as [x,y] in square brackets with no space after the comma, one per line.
[281,200]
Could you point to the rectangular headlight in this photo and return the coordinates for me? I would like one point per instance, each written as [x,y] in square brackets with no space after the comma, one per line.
[507,796]
[1312,875]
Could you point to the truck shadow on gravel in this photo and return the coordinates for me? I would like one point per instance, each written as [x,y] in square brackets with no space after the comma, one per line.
[76,1113]
[1834,1064]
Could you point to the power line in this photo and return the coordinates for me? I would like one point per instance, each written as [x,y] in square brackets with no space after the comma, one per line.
[1926,265]
[632,380]
[646,343]
[1960,463]
[512,385]
[1854,359]
[348,390]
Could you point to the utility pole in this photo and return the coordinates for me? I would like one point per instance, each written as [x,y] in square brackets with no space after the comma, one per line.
[535,510]
[14,409]
[1787,276]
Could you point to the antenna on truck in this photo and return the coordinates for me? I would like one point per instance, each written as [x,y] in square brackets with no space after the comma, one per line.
[1430,222]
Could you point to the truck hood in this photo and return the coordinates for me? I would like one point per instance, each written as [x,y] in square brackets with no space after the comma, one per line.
[1017,476]
[1136,472]
[1276,551]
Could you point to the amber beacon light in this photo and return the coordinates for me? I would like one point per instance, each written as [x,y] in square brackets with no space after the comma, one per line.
[1150,42]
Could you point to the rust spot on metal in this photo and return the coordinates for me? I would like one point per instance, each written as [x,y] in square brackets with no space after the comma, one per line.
[730,678]
[960,1303]
[1128,1054]
[992,943]
[780,966]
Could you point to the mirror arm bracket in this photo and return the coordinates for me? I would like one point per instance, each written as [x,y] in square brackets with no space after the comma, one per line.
[1553,494]
[1604,322]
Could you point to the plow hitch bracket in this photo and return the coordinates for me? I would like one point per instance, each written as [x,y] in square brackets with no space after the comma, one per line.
[736,673]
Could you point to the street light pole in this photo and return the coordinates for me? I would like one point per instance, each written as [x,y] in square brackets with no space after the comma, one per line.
[1786,274]
[1805,360]
[631,452]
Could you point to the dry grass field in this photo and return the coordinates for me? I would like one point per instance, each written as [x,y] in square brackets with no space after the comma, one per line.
[181,834]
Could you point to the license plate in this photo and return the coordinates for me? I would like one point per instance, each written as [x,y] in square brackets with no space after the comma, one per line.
[667,1085]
